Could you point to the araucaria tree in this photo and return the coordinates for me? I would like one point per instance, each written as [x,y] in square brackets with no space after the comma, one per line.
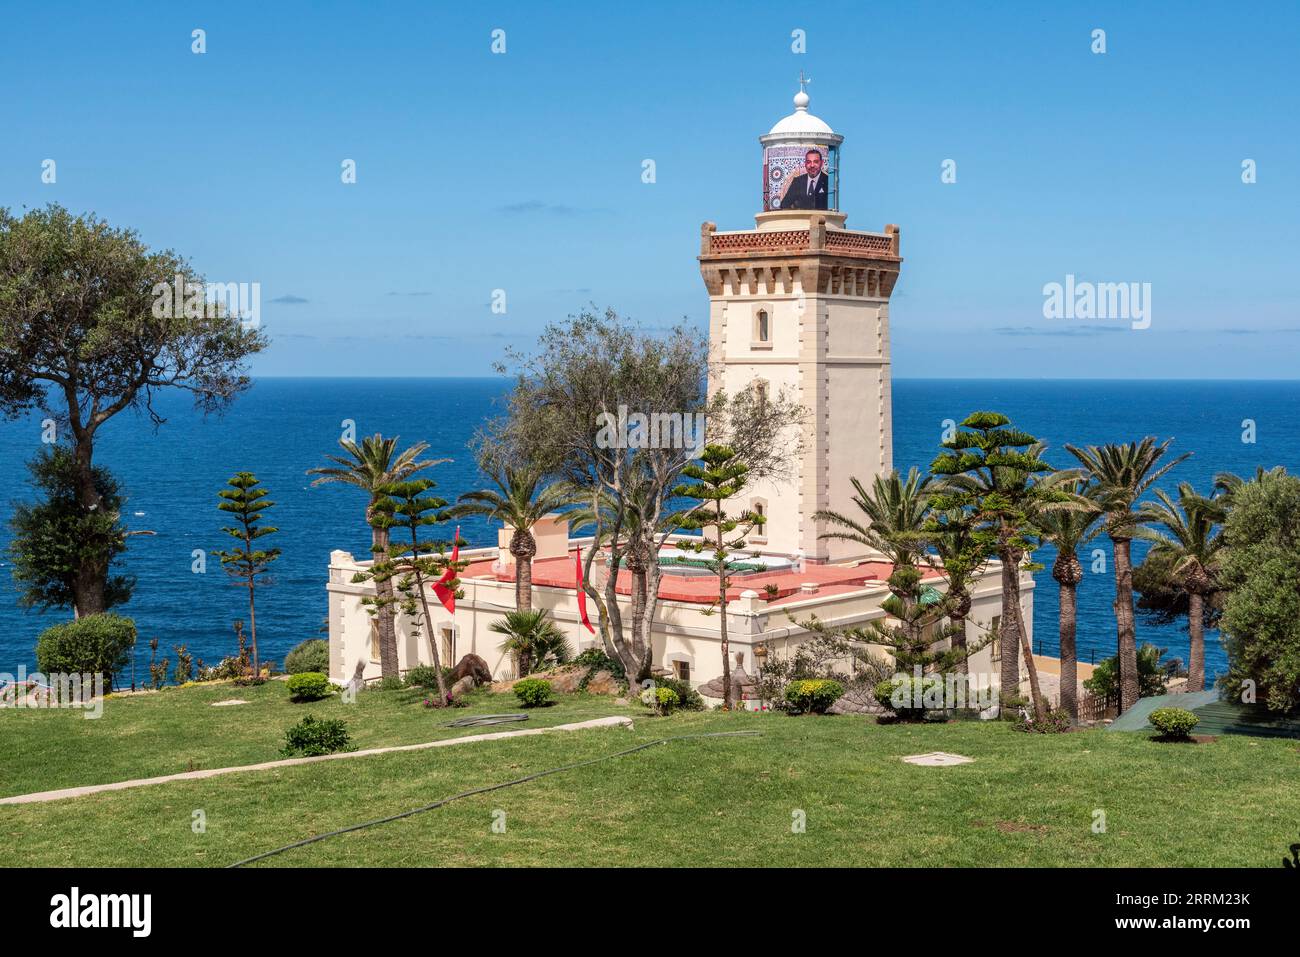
[55,537]
[718,476]
[370,466]
[990,470]
[412,563]
[1122,474]
[245,500]
[86,334]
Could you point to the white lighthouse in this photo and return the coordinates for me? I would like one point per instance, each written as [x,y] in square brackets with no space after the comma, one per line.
[801,304]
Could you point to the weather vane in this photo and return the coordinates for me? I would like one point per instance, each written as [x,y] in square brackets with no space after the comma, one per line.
[803,82]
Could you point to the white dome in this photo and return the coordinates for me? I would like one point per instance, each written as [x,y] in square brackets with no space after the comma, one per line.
[801,121]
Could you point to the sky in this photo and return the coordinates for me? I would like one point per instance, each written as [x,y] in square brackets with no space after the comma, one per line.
[522,170]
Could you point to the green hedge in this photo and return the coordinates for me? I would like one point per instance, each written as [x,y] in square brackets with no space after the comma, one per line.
[309,686]
[310,655]
[534,692]
[1173,723]
[96,644]
[812,695]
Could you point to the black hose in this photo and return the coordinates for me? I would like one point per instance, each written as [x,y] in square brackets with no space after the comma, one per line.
[481,720]
[487,788]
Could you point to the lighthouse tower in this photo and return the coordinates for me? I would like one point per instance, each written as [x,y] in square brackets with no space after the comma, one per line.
[800,304]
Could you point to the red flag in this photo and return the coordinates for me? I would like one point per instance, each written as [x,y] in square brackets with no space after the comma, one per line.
[582,595]
[446,595]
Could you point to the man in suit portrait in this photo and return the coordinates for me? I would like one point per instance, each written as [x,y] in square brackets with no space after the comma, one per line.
[808,189]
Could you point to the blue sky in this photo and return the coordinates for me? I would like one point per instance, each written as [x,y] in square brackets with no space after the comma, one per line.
[522,171]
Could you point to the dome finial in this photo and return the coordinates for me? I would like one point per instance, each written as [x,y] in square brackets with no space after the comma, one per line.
[801,98]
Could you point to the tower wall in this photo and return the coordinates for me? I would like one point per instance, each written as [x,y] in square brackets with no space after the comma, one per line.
[825,291]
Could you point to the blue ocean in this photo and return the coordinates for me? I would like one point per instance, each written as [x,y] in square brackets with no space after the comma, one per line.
[281,428]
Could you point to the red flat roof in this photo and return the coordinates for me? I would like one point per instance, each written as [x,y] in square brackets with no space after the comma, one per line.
[703,589]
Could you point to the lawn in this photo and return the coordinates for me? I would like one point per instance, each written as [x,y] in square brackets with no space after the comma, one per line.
[1026,800]
[178,730]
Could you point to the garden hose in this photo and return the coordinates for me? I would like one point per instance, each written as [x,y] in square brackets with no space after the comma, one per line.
[490,787]
[486,719]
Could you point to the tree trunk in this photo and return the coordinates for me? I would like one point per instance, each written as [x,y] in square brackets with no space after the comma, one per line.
[958,619]
[1126,630]
[91,578]
[1035,691]
[252,626]
[1196,632]
[1069,656]
[389,665]
[524,584]
[722,611]
[1009,632]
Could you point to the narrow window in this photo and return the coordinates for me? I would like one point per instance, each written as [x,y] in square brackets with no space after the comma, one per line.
[762,326]
[996,627]
[374,639]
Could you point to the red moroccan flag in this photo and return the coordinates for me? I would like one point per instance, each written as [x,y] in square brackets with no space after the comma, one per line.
[582,595]
[447,595]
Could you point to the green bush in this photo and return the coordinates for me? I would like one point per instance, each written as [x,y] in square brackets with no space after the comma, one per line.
[688,699]
[389,683]
[812,695]
[310,655]
[96,644]
[662,700]
[424,676]
[314,736]
[597,660]
[1054,722]
[309,686]
[534,692]
[1173,723]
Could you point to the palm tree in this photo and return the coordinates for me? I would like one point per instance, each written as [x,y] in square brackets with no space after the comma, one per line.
[1191,545]
[1122,474]
[533,639]
[895,511]
[372,464]
[1226,484]
[1067,530]
[520,500]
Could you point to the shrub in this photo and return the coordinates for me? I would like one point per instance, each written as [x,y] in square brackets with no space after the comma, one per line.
[661,700]
[812,695]
[1054,722]
[1173,723]
[1153,675]
[424,676]
[389,683]
[314,736]
[596,660]
[310,655]
[309,686]
[688,699]
[534,692]
[96,644]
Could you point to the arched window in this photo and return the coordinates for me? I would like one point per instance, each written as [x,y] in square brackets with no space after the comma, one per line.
[762,337]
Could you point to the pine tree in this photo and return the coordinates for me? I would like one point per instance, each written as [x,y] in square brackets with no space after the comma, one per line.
[246,502]
[720,477]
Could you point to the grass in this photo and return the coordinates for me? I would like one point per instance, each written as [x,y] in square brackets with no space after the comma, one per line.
[178,730]
[1026,799]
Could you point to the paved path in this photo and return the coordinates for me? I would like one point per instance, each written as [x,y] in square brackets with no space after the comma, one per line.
[39,796]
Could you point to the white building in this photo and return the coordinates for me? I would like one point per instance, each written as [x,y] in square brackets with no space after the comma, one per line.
[800,303]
